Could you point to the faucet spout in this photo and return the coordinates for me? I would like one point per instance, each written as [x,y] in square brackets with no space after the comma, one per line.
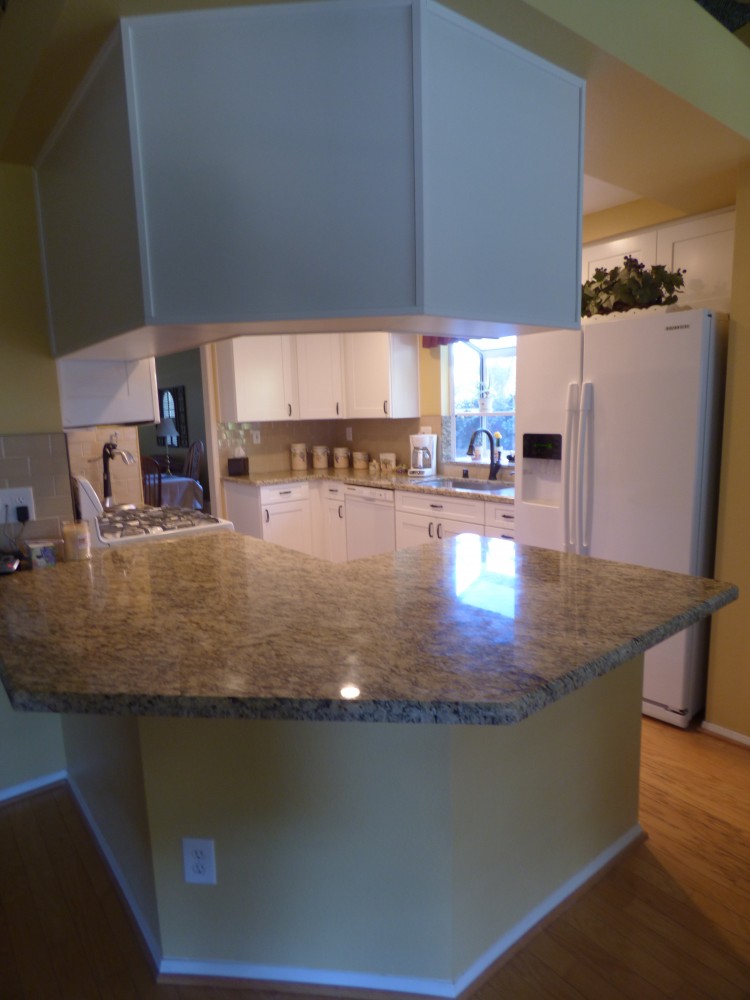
[109,451]
[494,466]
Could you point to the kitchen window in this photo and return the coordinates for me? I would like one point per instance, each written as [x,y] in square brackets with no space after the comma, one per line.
[483,393]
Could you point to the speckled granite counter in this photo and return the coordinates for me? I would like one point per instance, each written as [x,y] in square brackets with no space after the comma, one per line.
[476,630]
[200,681]
[356,477]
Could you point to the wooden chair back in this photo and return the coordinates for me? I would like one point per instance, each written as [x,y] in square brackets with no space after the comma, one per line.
[151,478]
[193,459]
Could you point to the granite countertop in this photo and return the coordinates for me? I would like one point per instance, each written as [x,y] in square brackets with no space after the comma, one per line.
[473,630]
[356,477]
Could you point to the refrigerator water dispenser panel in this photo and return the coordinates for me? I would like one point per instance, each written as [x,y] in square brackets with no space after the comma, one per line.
[543,446]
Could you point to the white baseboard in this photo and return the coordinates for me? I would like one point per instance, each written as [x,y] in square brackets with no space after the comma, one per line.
[727,734]
[545,908]
[150,941]
[268,975]
[26,787]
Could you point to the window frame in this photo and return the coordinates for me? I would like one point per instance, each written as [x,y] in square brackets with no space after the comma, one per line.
[505,346]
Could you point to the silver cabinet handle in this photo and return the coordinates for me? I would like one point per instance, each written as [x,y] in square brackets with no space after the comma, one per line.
[440,530]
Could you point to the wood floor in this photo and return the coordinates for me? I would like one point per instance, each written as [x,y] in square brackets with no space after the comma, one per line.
[671,919]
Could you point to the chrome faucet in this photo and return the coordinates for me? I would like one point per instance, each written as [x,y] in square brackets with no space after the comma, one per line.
[109,451]
[494,466]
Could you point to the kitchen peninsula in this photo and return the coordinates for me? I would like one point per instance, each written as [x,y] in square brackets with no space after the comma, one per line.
[398,836]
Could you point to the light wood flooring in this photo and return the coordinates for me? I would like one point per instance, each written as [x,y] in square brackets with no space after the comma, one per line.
[670,919]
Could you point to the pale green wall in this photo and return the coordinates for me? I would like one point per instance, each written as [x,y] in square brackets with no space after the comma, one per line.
[29,400]
[30,745]
[31,748]
[729,677]
[104,764]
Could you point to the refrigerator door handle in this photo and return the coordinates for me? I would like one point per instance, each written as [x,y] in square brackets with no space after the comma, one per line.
[569,481]
[583,477]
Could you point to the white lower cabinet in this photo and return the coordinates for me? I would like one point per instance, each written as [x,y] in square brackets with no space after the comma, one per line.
[423,518]
[500,520]
[279,514]
[332,524]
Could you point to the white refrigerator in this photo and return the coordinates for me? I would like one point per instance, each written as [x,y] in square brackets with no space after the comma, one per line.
[618,437]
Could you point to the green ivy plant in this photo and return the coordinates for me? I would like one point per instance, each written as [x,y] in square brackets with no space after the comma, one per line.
[630,286]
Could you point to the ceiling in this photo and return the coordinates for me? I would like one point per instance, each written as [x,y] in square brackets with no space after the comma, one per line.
[643,140]
[733,14]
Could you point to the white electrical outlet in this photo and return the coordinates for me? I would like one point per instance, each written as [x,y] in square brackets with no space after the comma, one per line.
[256,437]
[199,861]
[348,433]
[11,499]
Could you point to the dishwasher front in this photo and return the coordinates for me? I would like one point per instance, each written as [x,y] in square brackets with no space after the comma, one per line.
[370,522]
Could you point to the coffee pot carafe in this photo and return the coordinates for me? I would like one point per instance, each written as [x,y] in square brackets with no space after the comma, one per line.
[422,450]
[421,457]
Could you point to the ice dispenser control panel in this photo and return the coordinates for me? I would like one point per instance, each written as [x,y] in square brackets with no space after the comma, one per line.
[542,446]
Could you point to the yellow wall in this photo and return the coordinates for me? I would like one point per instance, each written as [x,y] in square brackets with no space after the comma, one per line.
[29,399]
[729,677]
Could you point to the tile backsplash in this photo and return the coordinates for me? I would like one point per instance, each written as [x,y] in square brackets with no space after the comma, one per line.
[85,454]
[41,462]
[272,454]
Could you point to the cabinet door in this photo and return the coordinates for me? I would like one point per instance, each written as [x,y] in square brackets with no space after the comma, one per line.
[449,529]
[107,392]
[704,248]
[414,529]
[257,379]
[241,508]
[334,530]
[320,376]
[288,524]
[382,375]
[611,253]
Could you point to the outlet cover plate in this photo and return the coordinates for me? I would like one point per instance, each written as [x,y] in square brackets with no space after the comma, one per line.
[16,496]
[199,861]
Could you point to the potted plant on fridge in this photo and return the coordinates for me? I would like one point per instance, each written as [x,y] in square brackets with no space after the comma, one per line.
[631,285]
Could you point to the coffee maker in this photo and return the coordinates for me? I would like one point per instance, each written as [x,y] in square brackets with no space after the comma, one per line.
[422,448]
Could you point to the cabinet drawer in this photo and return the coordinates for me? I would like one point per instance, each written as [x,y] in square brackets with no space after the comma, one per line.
[441,507]
[500,515]
[284,492]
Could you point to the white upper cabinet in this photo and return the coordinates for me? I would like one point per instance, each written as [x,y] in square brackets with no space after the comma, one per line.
[310,167]
[320,376]
[257,379]
[107,392]
[382,375]
[702,246]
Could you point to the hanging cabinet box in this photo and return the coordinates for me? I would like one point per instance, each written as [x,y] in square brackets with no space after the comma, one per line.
[292,168]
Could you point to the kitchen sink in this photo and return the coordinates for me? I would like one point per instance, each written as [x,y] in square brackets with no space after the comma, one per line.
[470,485]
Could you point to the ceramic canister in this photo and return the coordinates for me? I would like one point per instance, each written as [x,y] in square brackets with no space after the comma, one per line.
[360,459]
[299,456]
[341,458]
[320,456]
